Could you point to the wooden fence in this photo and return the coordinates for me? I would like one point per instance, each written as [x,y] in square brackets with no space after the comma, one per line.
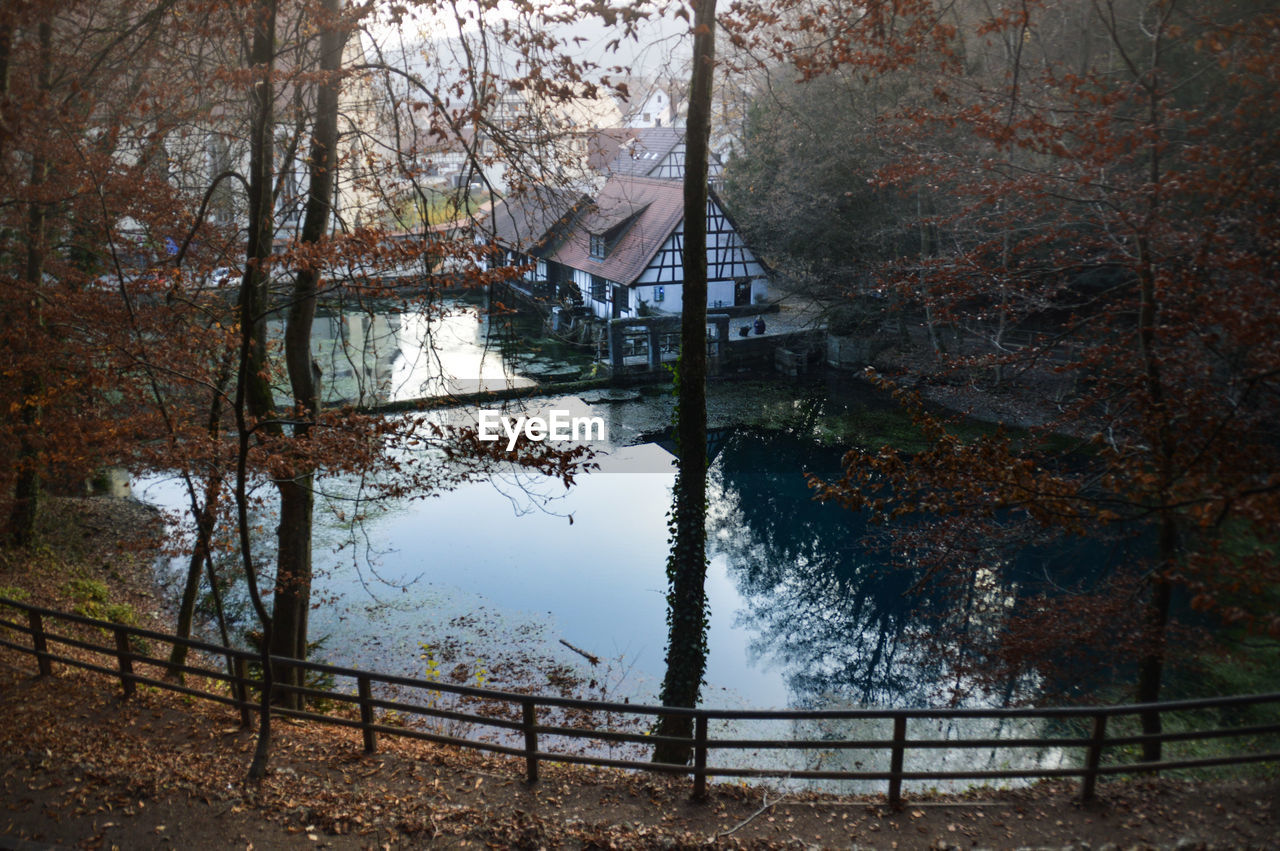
[524,725]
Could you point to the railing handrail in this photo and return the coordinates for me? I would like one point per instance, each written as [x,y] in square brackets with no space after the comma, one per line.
[880,713]
[528,704]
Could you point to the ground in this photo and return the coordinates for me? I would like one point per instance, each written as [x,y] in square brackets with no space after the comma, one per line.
[82,767]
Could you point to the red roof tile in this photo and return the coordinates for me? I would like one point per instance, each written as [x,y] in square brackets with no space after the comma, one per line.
[661,209]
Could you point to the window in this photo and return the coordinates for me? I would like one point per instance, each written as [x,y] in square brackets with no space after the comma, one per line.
[599,246]
[599,291]
[659,293]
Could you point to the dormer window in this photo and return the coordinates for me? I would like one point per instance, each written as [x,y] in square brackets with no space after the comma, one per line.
[606,228]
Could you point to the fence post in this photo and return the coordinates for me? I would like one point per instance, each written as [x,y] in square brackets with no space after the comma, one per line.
[125,655]
[366,714]
[700,758]
[38,642]
[1093,757]
[239,671]
[529,717]
[895,761]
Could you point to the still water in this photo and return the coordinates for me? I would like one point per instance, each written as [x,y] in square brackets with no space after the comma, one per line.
[516,581]
[420,350]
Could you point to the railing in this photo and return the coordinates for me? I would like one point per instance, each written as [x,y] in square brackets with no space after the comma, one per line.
[526,723]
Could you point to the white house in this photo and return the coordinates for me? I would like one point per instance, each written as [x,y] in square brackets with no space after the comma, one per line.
[621,253]
[653,109]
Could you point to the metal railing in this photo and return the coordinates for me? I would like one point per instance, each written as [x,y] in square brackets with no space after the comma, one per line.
[523,723]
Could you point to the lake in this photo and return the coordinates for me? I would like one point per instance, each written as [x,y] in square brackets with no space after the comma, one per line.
[516,581]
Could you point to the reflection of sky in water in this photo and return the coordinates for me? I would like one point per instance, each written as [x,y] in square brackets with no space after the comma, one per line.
[509,548]
[598,582]
[798,613]
[500,569]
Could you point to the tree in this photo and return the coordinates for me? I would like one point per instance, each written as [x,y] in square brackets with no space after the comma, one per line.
[301,439]
[1101,177]
[156,149]
[799,183]
[82,193]
[687,563]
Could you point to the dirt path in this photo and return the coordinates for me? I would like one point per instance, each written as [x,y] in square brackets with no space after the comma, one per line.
[81,767]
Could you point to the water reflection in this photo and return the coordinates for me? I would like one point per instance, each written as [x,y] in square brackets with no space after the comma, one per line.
[803,613]
[385,355]
[818,603]
[823,606]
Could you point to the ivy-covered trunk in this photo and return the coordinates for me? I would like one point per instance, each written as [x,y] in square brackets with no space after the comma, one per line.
[687,562]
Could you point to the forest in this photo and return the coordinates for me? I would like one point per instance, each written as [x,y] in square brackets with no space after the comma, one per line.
[1072,205]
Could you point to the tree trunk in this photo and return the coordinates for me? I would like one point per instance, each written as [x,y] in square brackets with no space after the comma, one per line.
[1157,419]
[1151,664]
[297,499]
[206,514]
[27,489]
[6,65]
[190,591]
[292,603]
[253,391]
[687,563]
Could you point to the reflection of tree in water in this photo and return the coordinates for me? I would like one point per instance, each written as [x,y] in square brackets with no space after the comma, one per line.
[828,605]
[823,607]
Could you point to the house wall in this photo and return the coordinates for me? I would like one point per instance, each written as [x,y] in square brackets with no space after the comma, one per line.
[672,167]
[719,294]
[601,307]
[660,285]
[728,260]
[654,111]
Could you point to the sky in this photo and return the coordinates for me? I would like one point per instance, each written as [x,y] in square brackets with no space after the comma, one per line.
[663,44]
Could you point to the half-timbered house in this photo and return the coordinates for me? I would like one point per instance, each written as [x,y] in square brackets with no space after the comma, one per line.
[527,229]
[656,152]
[621,254]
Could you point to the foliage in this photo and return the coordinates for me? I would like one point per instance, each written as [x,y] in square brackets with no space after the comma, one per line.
[1100,178]
[87,591]
[802,191]
[180,179]
[91,598]
[19,595]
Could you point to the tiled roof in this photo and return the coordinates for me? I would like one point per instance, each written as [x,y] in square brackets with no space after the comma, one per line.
[608,213]
[660,208]
[529,219]
[603,146]
[650,148]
